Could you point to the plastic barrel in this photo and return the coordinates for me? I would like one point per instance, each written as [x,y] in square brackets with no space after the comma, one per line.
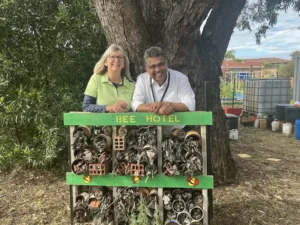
[280,111]
[291,114]
[233,121]
[298,129]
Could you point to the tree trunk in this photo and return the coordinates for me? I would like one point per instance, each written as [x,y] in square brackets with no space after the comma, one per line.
[174,25]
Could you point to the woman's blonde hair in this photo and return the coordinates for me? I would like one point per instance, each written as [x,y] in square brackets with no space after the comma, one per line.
[101,69]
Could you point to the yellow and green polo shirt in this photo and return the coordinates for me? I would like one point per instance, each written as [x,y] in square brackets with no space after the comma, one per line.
[101,88]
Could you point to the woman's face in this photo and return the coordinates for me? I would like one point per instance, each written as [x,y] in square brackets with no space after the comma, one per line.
[115,61]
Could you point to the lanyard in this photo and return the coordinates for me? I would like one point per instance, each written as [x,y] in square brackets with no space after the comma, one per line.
[162,98]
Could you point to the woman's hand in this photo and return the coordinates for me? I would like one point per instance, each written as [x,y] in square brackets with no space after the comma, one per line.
[119,106]
[123,104]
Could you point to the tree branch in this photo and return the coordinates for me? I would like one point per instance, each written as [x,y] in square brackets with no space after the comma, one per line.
[218,29]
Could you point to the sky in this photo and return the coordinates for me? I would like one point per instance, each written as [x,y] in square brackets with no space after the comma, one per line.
[280,41]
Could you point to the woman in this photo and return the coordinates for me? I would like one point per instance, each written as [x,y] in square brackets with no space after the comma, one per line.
[110,88]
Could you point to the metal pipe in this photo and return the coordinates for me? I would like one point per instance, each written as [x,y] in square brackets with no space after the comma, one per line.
[178,206]
[196,213]
[178,133]
[83,197]
[184,218]
[198,198]
[93,202]
[79,166]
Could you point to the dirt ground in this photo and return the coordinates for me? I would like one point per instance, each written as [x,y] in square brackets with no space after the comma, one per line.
[265,191]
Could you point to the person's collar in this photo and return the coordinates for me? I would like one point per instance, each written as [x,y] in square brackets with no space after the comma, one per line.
[124,81]
[105,79]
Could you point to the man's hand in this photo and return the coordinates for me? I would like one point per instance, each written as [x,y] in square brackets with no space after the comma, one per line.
[155,106]
[166,109]
[161,108]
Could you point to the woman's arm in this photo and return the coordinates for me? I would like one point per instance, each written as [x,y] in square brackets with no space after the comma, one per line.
[89,105]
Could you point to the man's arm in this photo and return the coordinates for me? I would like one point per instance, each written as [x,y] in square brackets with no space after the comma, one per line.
[152,107]
[143,108]
[179,107]
[160,107]
[186,100]
[186,96]
[139,97]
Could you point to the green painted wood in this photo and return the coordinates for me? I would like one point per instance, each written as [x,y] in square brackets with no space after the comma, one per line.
[159,181]
[118,119]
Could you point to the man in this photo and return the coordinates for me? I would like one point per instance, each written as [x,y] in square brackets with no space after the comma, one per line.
[161,90]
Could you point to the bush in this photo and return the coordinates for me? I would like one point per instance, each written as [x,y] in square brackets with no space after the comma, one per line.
[50,50]
[32,130]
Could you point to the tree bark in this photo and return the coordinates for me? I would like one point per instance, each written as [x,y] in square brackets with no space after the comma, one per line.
[174,25]
[212,47]
[123,23]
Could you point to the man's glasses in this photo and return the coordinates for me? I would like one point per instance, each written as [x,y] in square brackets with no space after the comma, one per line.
[158,66]
[114,57]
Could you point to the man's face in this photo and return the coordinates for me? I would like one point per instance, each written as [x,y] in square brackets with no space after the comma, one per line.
[157,69]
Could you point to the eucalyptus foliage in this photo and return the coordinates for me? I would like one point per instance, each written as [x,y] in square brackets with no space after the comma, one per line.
[263,14]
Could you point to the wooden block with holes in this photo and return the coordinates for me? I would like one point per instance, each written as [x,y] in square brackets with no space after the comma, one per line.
[137,170]
[98,169]
[244,119]
[262,123]
[119,143]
